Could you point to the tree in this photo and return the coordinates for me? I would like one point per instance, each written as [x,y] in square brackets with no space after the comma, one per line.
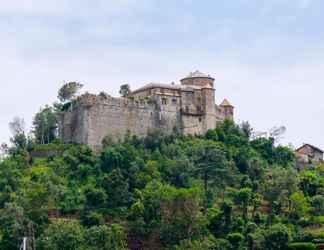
[17,128]
[278,188]
[45,125]
[63,234]
[117,189]
[299,204]
[68,91]
[124,90]
[309,183]
[318,205]
[246,129]
[95,198]
[235,239]
[276,238]
[206,243]
[243,197]
[14,226]
[210,165]
[106,238]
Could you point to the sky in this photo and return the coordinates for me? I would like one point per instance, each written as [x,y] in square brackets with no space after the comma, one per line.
[267,56]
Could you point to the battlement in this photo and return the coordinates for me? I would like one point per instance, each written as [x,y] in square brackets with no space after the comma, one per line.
[188,107]
[88,100]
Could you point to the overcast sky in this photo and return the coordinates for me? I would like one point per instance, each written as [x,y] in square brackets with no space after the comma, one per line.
[267,56]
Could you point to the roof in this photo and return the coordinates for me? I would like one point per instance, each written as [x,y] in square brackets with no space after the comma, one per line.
[313,147]
[226,103]
[197,73]
[156,85]
[166,86]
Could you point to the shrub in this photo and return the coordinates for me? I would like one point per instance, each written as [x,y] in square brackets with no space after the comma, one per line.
[277,237]
[302,246]
[235,239]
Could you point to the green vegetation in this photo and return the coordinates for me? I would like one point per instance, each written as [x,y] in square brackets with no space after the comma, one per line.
[221,190]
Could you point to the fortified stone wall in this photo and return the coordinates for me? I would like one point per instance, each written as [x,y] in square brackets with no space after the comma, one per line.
[189,108]
[96,117]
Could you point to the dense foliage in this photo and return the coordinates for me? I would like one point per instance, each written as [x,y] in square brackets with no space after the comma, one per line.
[221,190]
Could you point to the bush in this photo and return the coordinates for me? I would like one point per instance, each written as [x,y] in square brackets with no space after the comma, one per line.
[302,246]
[277,237]
[235,239]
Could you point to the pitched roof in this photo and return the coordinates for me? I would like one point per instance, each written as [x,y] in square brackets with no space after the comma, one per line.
[226,103]
[157,85]
[307,144]
[166,86]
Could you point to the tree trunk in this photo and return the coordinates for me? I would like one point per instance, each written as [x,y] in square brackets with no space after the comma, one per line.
[206,191]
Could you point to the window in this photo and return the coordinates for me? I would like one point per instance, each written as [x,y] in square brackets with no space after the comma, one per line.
[199,108]
[187,109]
[200,120]
[174,101]
[164,101]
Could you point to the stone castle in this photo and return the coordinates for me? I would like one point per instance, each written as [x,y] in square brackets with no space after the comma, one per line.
[188,107]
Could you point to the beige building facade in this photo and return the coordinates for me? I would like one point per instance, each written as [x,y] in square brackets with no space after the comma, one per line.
[188,107]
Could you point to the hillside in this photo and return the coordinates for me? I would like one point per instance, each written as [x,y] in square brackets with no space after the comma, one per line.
[220,190]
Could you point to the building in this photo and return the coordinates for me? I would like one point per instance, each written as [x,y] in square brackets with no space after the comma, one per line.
[310,153]
[188,107]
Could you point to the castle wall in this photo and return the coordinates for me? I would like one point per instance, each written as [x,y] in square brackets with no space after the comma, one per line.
[73,126]
[90,123]
[189,109]
[117,119]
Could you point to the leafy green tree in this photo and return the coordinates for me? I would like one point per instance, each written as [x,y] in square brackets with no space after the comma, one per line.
[276,237]
[117,189]
[180,213]
[68,91]
[106,238]
[243,197]
[63,234]
[95,197]
[317,203]
[207,243]
[309,183]
[299,204]
[10,181]
[236,240]
[210,164]
[45,125]
[19,138]
[14,226]
[121,156]
[278,188]
[124,90]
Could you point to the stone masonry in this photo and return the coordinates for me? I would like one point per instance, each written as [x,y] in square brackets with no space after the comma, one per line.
[188,107]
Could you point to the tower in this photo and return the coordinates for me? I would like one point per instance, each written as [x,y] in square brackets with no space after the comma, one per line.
[204,97]
[227,109]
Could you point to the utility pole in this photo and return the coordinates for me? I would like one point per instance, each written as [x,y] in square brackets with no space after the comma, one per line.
[24,244]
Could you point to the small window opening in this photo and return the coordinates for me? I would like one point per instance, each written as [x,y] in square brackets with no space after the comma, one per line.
[164,101]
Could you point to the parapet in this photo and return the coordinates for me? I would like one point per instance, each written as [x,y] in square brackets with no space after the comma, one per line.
[88,100]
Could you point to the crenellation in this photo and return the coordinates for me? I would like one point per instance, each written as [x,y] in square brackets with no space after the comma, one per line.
[188,107]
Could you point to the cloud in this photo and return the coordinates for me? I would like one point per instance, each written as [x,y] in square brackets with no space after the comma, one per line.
[266,64]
